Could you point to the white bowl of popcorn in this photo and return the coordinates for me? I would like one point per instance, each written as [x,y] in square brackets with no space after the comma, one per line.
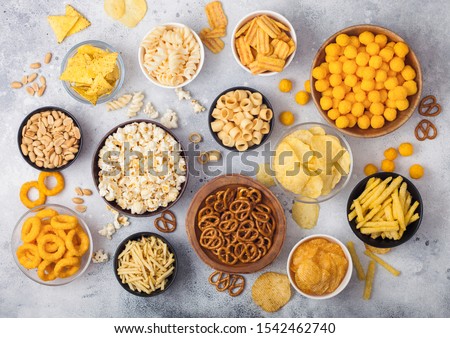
[171,55]
[140,168]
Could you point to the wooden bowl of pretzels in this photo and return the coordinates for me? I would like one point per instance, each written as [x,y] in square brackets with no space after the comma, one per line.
[235,224]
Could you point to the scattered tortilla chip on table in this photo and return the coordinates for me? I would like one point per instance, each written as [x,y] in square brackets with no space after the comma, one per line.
[61,25]
[82,22]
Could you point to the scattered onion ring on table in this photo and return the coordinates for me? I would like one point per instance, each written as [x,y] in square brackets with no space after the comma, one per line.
[54,244]
[236,226]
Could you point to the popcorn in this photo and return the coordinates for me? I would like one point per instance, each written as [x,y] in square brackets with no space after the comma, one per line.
[198,108]
[100,256]
[170,119]
[182,94]
[150,111]
[107,231]
[136,187]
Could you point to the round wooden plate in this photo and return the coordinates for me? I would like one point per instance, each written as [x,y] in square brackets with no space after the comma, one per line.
[233,181]
[402,116]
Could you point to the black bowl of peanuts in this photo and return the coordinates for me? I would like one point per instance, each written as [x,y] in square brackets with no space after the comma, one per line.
[50,139]
[145,264]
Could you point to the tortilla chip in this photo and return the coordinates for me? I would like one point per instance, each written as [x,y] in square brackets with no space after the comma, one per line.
[61,25]
[91,98]
[82,22]
[99,87]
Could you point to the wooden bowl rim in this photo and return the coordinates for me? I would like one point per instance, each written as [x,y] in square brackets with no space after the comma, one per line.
[95,169]
[278,239]
[414,101]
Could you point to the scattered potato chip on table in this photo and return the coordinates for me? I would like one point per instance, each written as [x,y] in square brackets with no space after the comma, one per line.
[271,291]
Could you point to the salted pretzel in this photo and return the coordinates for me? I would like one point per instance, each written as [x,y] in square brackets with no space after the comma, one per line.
[211,238]
[237,285]
[425,130]
[167,222]
[429,107]
[220,279]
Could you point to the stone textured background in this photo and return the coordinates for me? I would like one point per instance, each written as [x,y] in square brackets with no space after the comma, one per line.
[421,289]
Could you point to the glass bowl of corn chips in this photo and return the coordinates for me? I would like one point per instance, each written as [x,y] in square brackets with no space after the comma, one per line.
[264,43]
[92,72]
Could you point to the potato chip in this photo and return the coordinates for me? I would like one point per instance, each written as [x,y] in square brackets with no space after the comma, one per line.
[288,169]
[303,135]
[82,22]
[114,8]
[301,150]
[305,214]
[271,291]
[317,131]
[135,11]
[263,175]
[215,45]
[61,25]
[313,188]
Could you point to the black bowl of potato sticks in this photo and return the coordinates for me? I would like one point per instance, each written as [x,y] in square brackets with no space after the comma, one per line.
[385,210]
[145,264]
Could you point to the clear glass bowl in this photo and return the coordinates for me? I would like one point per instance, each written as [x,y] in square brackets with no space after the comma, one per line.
[344,179]
[120,64]
[16,241]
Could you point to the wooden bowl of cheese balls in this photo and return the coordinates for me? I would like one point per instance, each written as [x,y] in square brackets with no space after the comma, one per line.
[366,81]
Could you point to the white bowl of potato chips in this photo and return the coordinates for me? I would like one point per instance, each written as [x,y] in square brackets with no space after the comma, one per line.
[319,267]
[312,163]
[92,72]
[264,43]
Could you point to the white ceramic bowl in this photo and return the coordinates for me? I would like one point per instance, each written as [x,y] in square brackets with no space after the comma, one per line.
[273,15]
[344,282]
[141,53]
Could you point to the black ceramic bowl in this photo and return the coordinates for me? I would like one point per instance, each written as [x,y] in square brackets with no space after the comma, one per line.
[211,119]
[40,110]
[95,169]
[138,236]
[410,229]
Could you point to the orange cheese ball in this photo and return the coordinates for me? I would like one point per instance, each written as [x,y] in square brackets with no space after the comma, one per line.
[287,118]
[390,154]
[370,169]
[364,80]
[342,122]
[364,122]
[366,37]
[416,171]
[307,86]
[351,120]
[406,149]
[302,97]
[387,165]
[333,114]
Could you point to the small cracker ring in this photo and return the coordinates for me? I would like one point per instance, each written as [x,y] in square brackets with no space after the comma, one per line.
[195,138]
[31,229]
[77,250]
[51,256]
[59,183]
[28,256]
[64,222]
[67,267]
[24,195]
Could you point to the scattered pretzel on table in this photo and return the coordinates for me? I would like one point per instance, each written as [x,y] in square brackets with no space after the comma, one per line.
[165,224]
[235,284]
[425,130]
[429,107]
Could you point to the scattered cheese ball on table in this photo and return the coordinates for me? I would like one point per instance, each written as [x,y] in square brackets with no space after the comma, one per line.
[365,80]
[285,86]
[287,118]
[387,165]
[370,169]
[416,171]
[390,154]
[302,97]
[406,149]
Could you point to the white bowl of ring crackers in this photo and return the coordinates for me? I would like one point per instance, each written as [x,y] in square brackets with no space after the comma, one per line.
[171,55]
[319,267]
[52,245]
[264,43]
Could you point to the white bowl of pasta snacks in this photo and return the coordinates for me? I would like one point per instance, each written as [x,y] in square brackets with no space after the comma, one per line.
[264,43]
[145,264]
[241,118]
[140,169]
[171,55]
[312,163]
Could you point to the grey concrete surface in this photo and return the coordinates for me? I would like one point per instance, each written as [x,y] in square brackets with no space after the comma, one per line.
[420,291]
